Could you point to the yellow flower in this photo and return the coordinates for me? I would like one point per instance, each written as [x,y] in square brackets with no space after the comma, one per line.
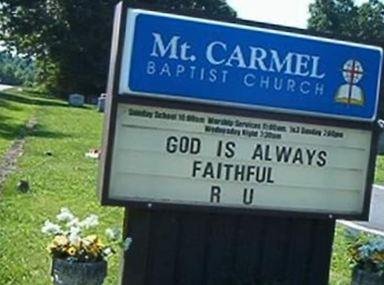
[60,240]
[51,247]
[99,243]
[91,238]
[378,257]
[95,248]
[71,250]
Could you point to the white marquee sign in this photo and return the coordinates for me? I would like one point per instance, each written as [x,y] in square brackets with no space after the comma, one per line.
[163,155]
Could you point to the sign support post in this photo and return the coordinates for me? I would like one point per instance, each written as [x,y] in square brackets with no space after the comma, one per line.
[176,247]
[237,151]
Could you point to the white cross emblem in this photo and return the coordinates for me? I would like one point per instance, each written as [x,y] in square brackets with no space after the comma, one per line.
[350,93]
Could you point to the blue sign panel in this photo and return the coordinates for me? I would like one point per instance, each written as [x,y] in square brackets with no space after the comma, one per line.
[189,59]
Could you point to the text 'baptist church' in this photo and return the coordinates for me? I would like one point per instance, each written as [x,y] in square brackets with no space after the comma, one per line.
[266,68]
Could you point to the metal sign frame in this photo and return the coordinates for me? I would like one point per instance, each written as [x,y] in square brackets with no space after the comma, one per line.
[114,99]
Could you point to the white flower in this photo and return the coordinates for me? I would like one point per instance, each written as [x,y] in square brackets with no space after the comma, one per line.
[127,243]
[50,228]
[65,215]
[90,221]
[73,223]
[75,230]
[74,235]
[107,251]
[74,239]
[113,234]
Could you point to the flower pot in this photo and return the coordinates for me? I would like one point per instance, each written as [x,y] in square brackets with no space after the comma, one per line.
[362,277]
[78,273]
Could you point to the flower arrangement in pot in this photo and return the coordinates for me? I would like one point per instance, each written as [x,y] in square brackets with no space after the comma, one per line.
[78,255]
[366,254]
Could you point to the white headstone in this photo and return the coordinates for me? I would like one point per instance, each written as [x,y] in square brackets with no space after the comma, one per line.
[101,102]
[76,100]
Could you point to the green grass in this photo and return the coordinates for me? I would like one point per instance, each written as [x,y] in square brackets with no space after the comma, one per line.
[340,271]
[14,113]
[379,174]
[65,179]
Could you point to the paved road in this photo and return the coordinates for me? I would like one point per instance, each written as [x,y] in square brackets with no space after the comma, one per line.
[3,87]
[376,215]
[375,224]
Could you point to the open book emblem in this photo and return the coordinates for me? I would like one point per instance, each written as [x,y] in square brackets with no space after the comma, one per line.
[350,93]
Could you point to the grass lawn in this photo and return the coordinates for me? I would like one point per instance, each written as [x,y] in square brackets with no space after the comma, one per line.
[340,271]
[15,112]
[379,175]
[66,179]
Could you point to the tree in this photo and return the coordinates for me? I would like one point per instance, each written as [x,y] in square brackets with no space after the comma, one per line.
[70,39]
[343,17]
[15,70]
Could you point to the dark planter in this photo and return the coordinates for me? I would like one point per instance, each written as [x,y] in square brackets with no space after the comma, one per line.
[361,277]
[78,273]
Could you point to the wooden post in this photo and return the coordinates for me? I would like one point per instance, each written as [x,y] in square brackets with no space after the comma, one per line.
[184,248]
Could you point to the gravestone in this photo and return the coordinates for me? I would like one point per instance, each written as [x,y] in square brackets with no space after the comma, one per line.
[76,100]
[101,102]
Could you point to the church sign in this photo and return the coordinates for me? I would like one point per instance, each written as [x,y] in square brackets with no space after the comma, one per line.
[207,114]
[190,59]
[229,161]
